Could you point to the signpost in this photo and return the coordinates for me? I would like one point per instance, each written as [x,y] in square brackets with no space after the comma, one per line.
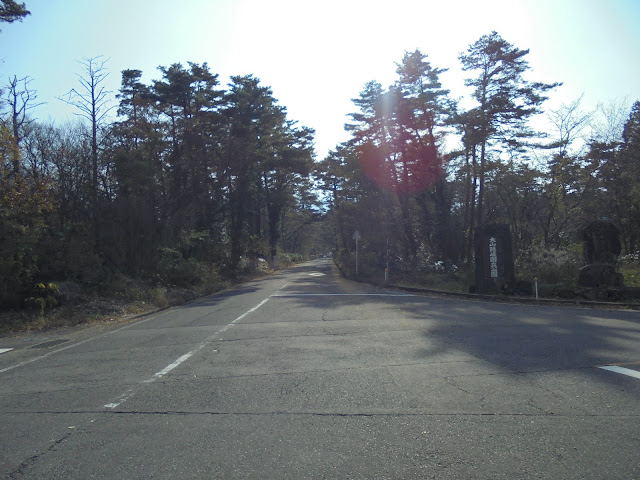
[356,237]
[386,270]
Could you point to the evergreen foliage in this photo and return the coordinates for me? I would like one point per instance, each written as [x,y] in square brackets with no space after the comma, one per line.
[420,173]
[11,11]
[190,182]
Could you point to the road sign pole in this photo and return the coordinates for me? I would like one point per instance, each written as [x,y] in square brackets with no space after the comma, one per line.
[386,272]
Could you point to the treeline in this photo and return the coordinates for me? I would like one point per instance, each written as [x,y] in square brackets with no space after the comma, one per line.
[191,180]
[422,169]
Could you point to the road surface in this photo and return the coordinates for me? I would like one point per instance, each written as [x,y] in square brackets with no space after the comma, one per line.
[304,375]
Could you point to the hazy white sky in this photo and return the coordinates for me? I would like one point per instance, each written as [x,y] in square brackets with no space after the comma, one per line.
[317,56]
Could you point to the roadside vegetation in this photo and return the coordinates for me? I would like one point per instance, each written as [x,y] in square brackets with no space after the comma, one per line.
[69,303]
[556,273]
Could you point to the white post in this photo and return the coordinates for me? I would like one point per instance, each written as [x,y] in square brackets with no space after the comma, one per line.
[536,279]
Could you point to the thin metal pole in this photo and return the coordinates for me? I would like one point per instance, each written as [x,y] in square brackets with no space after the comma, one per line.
[386,272]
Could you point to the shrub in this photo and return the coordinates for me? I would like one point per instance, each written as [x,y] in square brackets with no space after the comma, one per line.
[429,263]
[250,265]
[174,269]
[158,297]
[370,265]
[285,260]
[44,297]
[629,266]
[553,266]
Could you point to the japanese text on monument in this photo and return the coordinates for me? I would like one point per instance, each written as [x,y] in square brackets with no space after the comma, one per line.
[493,257]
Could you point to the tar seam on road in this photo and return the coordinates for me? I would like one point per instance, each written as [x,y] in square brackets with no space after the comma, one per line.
[129,393]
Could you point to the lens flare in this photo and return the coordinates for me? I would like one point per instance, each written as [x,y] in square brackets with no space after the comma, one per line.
[408,173]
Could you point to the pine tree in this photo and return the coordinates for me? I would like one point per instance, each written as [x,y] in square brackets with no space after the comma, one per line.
[11,11]
[630,153]
[505,100]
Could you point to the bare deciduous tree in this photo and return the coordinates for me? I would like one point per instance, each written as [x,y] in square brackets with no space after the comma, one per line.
[92,102]
[20,100]
[610,119]
[570,122]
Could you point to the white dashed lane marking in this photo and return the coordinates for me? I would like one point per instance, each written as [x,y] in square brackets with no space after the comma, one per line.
[129,393]
[622,371]
[5,350]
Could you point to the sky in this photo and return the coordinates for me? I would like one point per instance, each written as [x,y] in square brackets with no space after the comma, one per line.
[317,56]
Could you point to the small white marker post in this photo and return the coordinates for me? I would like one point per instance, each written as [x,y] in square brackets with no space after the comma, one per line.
[536,280]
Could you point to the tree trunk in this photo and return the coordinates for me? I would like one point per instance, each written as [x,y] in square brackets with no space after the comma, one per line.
[481,190]
[472,208]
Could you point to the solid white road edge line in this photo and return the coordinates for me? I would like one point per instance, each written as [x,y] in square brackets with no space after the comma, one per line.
[622,370]
[129,393]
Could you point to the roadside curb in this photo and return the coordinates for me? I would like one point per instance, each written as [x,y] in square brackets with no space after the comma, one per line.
[524,300]
[505,298]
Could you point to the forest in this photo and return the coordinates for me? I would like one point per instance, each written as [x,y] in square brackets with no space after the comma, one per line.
[183,182]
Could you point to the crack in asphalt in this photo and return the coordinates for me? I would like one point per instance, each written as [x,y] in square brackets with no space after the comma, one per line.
[189,376]
[20,470]
[453,384]
[326,334]
[309,322]
[313,414]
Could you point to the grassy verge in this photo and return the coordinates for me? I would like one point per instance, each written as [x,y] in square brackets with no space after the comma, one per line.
[79,305]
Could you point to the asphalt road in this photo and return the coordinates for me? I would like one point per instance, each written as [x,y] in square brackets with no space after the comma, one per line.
[304,375]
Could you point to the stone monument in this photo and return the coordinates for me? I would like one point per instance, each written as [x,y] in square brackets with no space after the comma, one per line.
[494,259]
[601,247]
